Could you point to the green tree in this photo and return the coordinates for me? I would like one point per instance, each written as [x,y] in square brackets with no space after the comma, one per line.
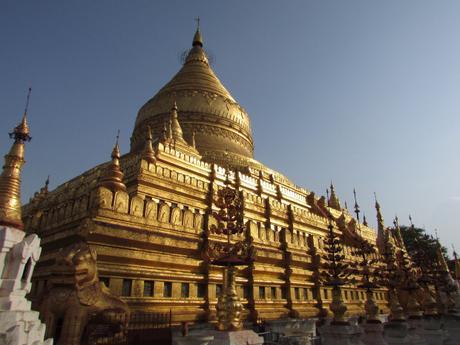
[417,242]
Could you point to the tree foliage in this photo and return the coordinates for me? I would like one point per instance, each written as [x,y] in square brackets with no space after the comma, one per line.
[420,245]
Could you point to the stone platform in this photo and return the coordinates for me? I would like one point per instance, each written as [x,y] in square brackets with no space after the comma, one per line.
[214,337]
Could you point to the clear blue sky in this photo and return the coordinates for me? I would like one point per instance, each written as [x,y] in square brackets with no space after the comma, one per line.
[365,93]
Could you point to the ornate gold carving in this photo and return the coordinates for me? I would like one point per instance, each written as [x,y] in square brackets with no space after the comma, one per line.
[104,197]
[229,307]
[336,273]
[176,216]
[188,219]
[151,210]
[229,222]
[198,220]
[121,202]
[163,214]
[137,206]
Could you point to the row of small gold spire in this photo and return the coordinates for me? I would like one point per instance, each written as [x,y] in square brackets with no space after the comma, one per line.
[10,205]
[172,134]
[10,179]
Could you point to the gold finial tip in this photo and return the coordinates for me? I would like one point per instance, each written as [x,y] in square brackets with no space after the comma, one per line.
[116,148]
[116,151]
[21,132]
[197,38]
[377,205]
[175,106]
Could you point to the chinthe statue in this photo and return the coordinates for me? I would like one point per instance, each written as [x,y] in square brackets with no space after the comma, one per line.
[76,298]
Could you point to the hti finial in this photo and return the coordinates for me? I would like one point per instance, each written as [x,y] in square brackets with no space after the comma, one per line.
[27,102]
[117,137]
[454,252]
[197,39]
[44,189]
[21,132]
[410,221]
[377,205]
[116,149]
[356,205]
[327,193]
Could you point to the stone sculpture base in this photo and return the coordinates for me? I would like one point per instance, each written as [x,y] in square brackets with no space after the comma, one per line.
[396,333]
[452,326]
[373,334]
[337,334]
[22,327]
[193,340]
[417,331]
[214,337]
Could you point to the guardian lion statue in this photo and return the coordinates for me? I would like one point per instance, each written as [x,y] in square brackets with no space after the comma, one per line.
[77,303]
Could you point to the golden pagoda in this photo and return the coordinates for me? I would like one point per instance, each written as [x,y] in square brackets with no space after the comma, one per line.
[147,213]
[10,179]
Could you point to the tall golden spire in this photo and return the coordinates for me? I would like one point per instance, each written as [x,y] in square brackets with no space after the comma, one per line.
[113,176]
[149,153]
[333,200]
[357,210]
[440,256]
[44,189]
[397,232]
[457,264]
[10,179]
[381,233]
[380,222]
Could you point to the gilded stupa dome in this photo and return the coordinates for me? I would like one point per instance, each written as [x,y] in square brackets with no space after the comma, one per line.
[221,126]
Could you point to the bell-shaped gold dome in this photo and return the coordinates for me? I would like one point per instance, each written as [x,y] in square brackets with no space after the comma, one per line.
[206,108]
